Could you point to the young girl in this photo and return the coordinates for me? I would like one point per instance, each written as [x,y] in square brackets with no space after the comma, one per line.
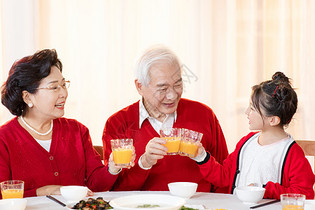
[269,158]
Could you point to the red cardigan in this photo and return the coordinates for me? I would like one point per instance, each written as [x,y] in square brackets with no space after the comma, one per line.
[297,175]
[72,159]
[190,114]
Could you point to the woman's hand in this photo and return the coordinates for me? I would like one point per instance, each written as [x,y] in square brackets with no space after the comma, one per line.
[54,190]
[48,190]
[116,169]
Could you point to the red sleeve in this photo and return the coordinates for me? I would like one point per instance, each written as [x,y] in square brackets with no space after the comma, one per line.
[97,176]
[217,147]
[222,175]
[298,176]
[217,174]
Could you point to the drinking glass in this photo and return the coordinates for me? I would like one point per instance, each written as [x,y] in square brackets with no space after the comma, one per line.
[122,152]
[12,189]
[188,146]
[292,201]
[172,137]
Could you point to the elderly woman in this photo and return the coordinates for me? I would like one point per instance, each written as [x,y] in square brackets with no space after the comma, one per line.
[39,146]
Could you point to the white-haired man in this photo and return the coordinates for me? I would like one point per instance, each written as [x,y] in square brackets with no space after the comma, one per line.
[159,82]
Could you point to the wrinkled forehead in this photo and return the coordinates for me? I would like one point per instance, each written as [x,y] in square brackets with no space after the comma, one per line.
[165,72]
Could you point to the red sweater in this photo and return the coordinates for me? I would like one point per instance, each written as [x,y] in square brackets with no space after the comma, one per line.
[190,114]
[297,175]
[72,159]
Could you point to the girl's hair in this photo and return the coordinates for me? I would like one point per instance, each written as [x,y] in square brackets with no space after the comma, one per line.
[26,74]
[154,55]
[275,97]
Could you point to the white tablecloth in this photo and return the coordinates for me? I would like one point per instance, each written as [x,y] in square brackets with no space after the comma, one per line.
[207,200]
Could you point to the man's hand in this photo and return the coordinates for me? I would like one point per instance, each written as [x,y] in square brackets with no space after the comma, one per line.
[154,151]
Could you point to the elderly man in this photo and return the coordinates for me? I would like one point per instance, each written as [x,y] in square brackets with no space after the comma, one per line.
[160,84]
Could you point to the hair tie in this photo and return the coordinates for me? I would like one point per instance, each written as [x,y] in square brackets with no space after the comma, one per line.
[275,91]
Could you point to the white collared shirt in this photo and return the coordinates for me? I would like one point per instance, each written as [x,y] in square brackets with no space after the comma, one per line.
[157,125]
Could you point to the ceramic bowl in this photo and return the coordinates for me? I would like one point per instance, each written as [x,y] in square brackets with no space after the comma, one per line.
[309,205]
[73,193]
[250,194]
[13,203]
[183,189]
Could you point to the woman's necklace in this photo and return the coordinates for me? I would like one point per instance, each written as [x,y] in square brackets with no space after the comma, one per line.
[41,134]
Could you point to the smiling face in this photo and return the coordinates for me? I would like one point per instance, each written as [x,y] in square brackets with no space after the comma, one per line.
[49,100]
[162,94]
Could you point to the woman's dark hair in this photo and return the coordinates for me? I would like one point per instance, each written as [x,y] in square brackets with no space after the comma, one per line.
[26,74]
[275,97]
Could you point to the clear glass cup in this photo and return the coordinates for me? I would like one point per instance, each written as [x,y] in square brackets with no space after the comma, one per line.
[12,189]
[292,201]
[173,138]
[122,150]
[188,146]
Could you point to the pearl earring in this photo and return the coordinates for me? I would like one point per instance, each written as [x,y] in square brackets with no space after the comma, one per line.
[30,105]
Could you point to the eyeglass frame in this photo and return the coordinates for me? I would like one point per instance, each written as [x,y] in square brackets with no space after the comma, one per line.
[67,85]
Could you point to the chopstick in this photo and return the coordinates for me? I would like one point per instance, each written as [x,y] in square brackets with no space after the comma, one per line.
[264,204]
[56,200]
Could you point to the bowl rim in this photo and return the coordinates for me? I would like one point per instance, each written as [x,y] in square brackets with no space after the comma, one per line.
[244,188]
[183,183]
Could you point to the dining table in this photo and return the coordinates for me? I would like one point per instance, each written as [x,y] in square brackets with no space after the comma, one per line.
[200,200]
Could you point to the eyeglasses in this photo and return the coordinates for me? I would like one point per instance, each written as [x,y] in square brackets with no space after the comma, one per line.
[56,87]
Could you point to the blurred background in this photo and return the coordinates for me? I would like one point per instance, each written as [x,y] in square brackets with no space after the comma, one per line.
[226,46]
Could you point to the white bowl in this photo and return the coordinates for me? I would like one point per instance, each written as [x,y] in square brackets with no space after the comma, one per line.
[13,203]
[73,193]
[250,194]
[164,202]
[183,189]
[309,205]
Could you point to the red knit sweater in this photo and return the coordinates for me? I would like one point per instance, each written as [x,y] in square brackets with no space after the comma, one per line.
[190,114]
[71,160]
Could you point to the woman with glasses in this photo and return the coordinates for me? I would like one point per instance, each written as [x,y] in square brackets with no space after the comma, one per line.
[39,146]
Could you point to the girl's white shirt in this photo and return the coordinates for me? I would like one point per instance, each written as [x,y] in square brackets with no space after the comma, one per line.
[260,164]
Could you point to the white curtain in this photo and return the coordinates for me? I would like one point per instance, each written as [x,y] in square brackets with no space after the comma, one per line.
[226,47]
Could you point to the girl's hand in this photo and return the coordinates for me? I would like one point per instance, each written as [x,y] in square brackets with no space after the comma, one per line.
[201,153]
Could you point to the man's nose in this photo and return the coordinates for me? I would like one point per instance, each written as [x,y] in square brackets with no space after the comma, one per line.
[171,93]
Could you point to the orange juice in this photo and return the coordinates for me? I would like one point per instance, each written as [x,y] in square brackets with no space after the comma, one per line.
[292,207]
[12,193]
[188,148]
[122,156]
[172,144]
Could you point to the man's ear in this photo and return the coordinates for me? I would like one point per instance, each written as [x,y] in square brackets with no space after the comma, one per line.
[274,120]
[139,87]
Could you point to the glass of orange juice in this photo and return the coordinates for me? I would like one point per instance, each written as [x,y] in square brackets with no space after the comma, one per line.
[292,201]
[172,137]
[122,150]
[12,189]
[188,146]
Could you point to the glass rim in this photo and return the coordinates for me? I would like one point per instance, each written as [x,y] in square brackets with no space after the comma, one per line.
[12,182]
[113,140]
[297,195]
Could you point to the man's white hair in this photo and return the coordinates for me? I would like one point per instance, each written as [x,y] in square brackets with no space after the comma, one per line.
[152,56]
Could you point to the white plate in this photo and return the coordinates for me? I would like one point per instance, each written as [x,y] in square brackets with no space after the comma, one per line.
[132,201]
